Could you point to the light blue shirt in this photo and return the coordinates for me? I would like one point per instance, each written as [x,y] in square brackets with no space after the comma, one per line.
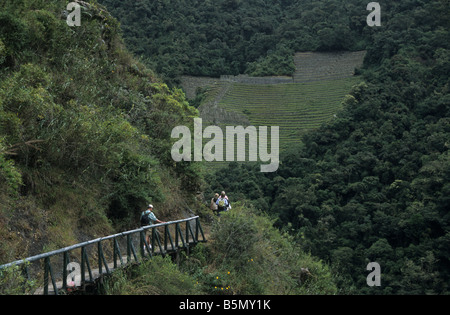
[225,199]
[151,215]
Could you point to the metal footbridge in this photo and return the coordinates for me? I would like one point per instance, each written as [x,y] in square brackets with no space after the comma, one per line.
[74,267]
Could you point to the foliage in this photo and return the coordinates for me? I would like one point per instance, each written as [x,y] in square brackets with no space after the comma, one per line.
[85,139]
[212,38]
[10,178]
[247,255]
[84,126]
[13,282]
[295,107]
[373,184]
[278,63]
[157,276]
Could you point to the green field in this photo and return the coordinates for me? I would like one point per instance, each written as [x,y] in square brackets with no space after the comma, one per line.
[295,108]
[318,87]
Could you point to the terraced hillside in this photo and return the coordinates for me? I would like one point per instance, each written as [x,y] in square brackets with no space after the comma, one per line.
[320,82]
[295,108]
[316,66]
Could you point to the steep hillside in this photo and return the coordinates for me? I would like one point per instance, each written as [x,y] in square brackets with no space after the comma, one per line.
[296,104]
[85,138]
[256,37]
[295,108]
[84,131]
[85,146]
[316,66]
[373,184]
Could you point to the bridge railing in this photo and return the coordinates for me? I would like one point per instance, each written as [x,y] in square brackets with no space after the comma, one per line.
[171,240]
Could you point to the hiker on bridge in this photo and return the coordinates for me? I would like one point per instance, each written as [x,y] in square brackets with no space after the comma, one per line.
[149,218]
[223,204]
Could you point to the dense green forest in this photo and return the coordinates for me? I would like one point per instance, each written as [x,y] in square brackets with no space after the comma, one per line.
[212,38]
[85,141]
[85,146]
[374,184]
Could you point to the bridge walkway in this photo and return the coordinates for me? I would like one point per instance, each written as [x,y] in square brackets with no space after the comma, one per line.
[77,269]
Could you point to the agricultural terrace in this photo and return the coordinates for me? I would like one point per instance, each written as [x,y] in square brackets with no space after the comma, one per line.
[319,84]
[295,107]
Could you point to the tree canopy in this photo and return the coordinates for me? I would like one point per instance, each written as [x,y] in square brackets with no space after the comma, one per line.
[258,37]
[373,184]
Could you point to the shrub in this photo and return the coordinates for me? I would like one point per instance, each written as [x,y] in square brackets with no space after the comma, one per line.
[13,282]
[157,276]
[10,178]
[256,258]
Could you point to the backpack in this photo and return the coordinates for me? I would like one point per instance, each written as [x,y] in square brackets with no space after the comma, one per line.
[145,219]
[222,203]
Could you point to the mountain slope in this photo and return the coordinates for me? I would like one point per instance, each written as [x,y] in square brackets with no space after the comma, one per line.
[257,37]
[373,184]
[84,131]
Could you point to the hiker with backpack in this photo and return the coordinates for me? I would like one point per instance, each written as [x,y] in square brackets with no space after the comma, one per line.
[149,218]
[223,204]
[214,206]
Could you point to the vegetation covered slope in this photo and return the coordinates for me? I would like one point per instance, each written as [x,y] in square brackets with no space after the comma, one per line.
[295,108]
[373,185]
[259,37]
[245,254]
[85,145]
[84,131]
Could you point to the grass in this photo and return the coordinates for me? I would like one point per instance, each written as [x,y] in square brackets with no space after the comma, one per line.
[295,107]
